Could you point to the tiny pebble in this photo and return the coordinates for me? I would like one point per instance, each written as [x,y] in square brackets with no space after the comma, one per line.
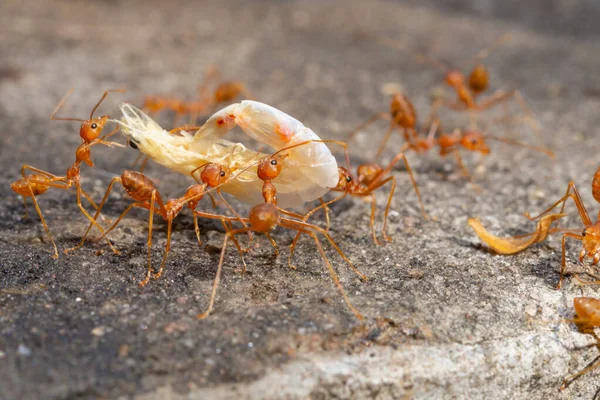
[99,331]
[23,350]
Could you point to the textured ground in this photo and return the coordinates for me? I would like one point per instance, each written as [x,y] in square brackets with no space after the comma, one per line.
[446,318]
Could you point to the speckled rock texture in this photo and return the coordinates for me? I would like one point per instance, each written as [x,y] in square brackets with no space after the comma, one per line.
[445,317]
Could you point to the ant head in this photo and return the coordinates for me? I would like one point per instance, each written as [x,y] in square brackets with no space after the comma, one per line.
[264,217]
[479,78]
[454,78]
[345,180]
[92,128]
[585,309]
[591,239]
[474,141]
[367,173]
[270,167]
[214,174]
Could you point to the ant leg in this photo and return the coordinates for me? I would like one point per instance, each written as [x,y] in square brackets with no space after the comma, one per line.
[564,255]
[402,156]
[197,230]
[387,209]
[144,164]
[528,115]
[25,206]
[433,112]
[83,239]
[139,157]
[26,167]
[89,199]
[583,214]
[368,122]
[502,96]
[334,276]
[326,211]
[167,249]
[386,138]
[93,221]
[472,119]
[37,208]
[593,365]
[237,216]
[372,222]
[297,225]
[145,281]
[274,244]
[228,228]
[110,134]
[219,269]
[462,166]
[212,199]
[306,217]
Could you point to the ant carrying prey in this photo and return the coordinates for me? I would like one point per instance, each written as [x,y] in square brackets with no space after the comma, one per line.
[40,181]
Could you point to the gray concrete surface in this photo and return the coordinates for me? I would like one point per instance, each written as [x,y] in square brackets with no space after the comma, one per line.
[446,318]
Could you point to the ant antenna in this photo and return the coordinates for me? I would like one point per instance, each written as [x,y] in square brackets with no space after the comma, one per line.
[420,58]
[58,107]
[486,51]
[102,99]
[64,99]
[521,144]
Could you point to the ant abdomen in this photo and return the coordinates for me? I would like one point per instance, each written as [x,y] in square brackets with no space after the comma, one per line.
[22,186]
[479,79]
[587,310]
[596,185]
[137,185]
[264,217]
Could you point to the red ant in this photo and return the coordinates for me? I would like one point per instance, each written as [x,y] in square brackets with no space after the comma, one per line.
[469,89]
[587,317]
[402,115]
[38,182]
[469,140]
[225,91]
[590,236]
[370,177]
[146,195]
[265,217]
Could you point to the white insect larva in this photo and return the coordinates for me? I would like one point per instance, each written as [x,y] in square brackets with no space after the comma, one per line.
[311,170]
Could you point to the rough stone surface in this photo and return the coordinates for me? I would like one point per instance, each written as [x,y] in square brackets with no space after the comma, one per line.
[446,318]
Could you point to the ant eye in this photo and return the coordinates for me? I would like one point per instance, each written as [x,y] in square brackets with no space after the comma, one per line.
[473,141]
[94,125]
[583,233]
[348,179]
[273,162]
[222,173]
